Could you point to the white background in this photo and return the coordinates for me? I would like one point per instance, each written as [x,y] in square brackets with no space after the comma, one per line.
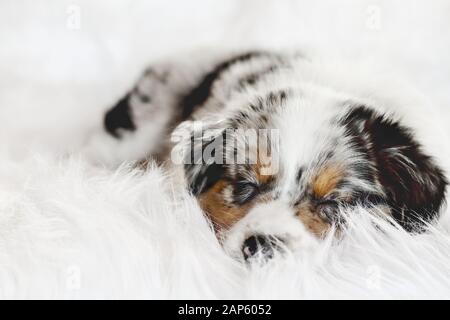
[63,62]
[69,230]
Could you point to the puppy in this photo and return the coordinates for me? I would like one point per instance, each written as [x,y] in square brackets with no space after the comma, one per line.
[272,147]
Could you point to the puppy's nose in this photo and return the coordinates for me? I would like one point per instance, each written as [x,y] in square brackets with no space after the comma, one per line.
[258,245]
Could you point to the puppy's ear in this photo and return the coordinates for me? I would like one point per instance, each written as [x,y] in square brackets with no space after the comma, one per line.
[413,183]
[202,149]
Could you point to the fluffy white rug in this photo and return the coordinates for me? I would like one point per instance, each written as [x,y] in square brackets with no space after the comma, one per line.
[69,229]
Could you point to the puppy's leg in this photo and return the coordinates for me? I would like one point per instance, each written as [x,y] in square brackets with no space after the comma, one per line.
[139,121]
[138,126]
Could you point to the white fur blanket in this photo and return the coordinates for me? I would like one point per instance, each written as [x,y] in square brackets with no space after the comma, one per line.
[69,229]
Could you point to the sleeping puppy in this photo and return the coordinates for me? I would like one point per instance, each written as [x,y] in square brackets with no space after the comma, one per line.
[273,147]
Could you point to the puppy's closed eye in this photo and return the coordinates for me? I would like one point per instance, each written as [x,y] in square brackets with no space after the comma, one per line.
[244,191]
[328,209]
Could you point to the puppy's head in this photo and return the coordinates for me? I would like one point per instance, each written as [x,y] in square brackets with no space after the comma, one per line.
[277,171]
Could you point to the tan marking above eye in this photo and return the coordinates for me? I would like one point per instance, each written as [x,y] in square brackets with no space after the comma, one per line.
[223,214]
[326,181]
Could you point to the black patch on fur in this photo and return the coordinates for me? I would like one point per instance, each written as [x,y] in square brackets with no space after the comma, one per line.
[300,174]
[253,78]
[203,175]
[201,93]
[262,106]
[276,98]
[207,177]
[413,183]
[258,105]
[119,117]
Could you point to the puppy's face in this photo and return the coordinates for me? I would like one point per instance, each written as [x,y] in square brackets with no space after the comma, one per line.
[277,171]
